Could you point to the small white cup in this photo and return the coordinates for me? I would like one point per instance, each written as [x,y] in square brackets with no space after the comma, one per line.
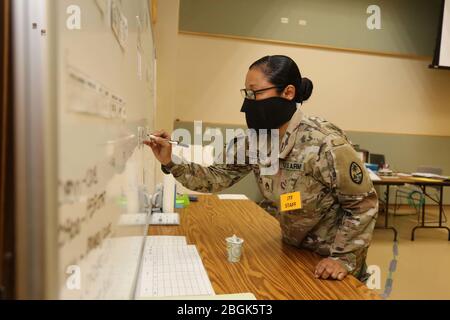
[234,247]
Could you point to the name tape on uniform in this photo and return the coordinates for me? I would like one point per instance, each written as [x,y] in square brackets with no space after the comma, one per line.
[291,201]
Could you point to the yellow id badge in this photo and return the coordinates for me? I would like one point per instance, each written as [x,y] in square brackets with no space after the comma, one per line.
[291,201]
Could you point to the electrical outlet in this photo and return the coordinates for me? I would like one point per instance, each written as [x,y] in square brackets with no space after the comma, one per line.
[284,20]
[302,22]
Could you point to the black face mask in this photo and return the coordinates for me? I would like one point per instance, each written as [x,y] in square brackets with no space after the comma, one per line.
[269,113]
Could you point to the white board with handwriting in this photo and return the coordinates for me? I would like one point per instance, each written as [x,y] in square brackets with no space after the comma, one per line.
[106,91]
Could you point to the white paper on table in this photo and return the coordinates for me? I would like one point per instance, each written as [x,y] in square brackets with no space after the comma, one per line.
[232,197]
[173,271]
[164,241]
[235,296]
[404,174]
[133,219]
[428,175]
[165,219]
[373,176]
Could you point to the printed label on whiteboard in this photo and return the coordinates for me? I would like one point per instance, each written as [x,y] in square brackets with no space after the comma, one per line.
[88,96]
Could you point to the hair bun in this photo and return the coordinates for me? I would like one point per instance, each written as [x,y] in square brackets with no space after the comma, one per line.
[282,71]
[306,89]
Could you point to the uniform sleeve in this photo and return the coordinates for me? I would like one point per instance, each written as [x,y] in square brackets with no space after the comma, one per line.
[214,178]
[346,175]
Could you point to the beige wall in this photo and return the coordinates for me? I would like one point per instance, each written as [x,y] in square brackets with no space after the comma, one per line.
[199,79]
[166,42]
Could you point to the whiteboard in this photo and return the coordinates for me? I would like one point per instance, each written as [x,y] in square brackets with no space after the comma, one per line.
[106,74]
[444,54]
[96,87]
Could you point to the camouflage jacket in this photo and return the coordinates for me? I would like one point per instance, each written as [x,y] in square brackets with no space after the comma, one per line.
[339,202]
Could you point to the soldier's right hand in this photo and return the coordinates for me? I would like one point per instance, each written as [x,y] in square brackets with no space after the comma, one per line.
[161,147]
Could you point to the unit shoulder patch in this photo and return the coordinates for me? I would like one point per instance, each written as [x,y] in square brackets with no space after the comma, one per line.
[356,173]
[351,177]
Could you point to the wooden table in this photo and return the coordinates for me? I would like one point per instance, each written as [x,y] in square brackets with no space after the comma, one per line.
[422,184]
[268,268]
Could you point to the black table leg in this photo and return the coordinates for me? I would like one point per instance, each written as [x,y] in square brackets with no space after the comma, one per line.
[441,212]
[386,218]
[441,193]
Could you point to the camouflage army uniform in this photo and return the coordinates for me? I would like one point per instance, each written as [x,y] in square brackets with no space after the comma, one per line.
[339,202]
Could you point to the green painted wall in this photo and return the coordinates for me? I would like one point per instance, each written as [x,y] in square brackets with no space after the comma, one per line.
[407,26]
[405,153]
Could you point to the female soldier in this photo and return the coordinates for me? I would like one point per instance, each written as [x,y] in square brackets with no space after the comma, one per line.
[317,163]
